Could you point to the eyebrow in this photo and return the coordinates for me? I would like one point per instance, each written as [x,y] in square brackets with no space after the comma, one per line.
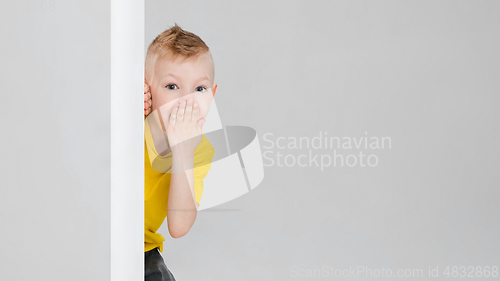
[169,74]
[176,77]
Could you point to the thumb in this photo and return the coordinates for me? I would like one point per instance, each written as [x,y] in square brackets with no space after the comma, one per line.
[201,122]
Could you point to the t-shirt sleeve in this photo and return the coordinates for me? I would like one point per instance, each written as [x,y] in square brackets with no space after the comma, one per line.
[201,165]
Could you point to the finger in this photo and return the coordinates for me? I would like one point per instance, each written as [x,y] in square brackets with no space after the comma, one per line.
[182,110]
[173,116]
[196,111]
[189,110]
[147,96]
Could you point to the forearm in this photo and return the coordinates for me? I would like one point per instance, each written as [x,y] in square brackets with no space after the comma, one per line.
[181,211]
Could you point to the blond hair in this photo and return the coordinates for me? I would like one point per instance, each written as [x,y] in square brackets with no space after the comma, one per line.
[175,42]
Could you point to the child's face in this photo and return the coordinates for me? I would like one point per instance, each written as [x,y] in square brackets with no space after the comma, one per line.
[176,80]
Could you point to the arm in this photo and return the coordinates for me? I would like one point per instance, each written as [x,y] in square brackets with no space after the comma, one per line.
[182,206]
[184,134]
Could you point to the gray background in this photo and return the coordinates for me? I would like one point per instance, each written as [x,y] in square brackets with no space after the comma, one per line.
[424,73]
[55,149]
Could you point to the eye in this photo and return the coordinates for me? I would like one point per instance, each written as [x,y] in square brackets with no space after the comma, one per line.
[172,87]
[201,89]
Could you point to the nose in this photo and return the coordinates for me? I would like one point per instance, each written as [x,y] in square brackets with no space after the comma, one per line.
[186,96]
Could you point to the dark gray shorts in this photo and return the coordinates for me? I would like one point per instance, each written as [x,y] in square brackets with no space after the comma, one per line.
[155,268]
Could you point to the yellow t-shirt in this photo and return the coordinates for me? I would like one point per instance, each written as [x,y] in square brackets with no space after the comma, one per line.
[156,187]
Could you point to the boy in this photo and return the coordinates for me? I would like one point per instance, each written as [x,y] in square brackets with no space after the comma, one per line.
[179,85]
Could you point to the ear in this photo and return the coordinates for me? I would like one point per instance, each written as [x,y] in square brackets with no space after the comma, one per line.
[213,89]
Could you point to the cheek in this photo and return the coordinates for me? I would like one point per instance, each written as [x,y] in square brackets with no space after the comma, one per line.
[204,104]
[163,101]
